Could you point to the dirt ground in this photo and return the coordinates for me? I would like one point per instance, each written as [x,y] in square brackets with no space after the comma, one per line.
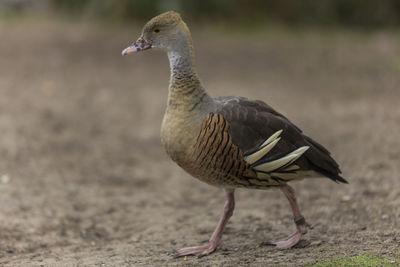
[84,180]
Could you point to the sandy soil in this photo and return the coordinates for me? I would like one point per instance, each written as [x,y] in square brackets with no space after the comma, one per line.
[85,182]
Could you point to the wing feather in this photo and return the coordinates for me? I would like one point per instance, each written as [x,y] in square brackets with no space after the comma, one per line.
[254,126]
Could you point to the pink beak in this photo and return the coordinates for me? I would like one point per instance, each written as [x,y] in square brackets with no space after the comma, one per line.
[137,46]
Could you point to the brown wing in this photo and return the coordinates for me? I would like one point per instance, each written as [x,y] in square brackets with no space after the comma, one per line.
[217,160]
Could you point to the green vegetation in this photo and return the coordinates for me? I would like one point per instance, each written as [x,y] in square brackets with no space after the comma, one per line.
[367,260]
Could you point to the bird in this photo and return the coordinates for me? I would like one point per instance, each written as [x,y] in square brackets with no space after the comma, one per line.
[229,142]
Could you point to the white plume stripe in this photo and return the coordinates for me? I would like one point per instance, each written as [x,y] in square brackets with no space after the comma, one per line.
[262,152]
[264,148]
[276,164]
[271,138]
[286,160]
[292,168]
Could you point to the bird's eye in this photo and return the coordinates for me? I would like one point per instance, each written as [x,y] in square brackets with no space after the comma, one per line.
[156,30]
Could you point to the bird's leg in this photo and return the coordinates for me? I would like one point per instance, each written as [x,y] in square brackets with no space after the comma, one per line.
[299,220]
[215,240]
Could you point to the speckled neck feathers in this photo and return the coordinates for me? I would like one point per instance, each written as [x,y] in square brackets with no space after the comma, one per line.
[185,88]
[188,102]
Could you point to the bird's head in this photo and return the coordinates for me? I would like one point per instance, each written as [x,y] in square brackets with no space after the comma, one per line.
[166,31]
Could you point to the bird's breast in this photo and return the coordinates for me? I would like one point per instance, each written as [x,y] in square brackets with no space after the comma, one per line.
[178,133]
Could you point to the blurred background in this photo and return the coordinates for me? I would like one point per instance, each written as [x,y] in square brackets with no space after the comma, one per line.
[351,13]
[84,180]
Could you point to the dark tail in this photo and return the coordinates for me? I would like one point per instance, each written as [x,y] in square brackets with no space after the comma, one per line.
[333,176]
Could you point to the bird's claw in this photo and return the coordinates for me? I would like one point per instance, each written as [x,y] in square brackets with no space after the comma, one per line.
[199,251]
[291,240]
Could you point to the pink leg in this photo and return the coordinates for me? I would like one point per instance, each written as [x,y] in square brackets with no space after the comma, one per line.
[215,240]
[299,220]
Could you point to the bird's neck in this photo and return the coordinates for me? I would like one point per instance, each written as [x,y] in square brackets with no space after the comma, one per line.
[188,102]
[185,88]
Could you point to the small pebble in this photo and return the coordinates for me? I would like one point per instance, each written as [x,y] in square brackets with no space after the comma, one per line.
[316,243]
[346,198]
[48,213]
[5,179]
